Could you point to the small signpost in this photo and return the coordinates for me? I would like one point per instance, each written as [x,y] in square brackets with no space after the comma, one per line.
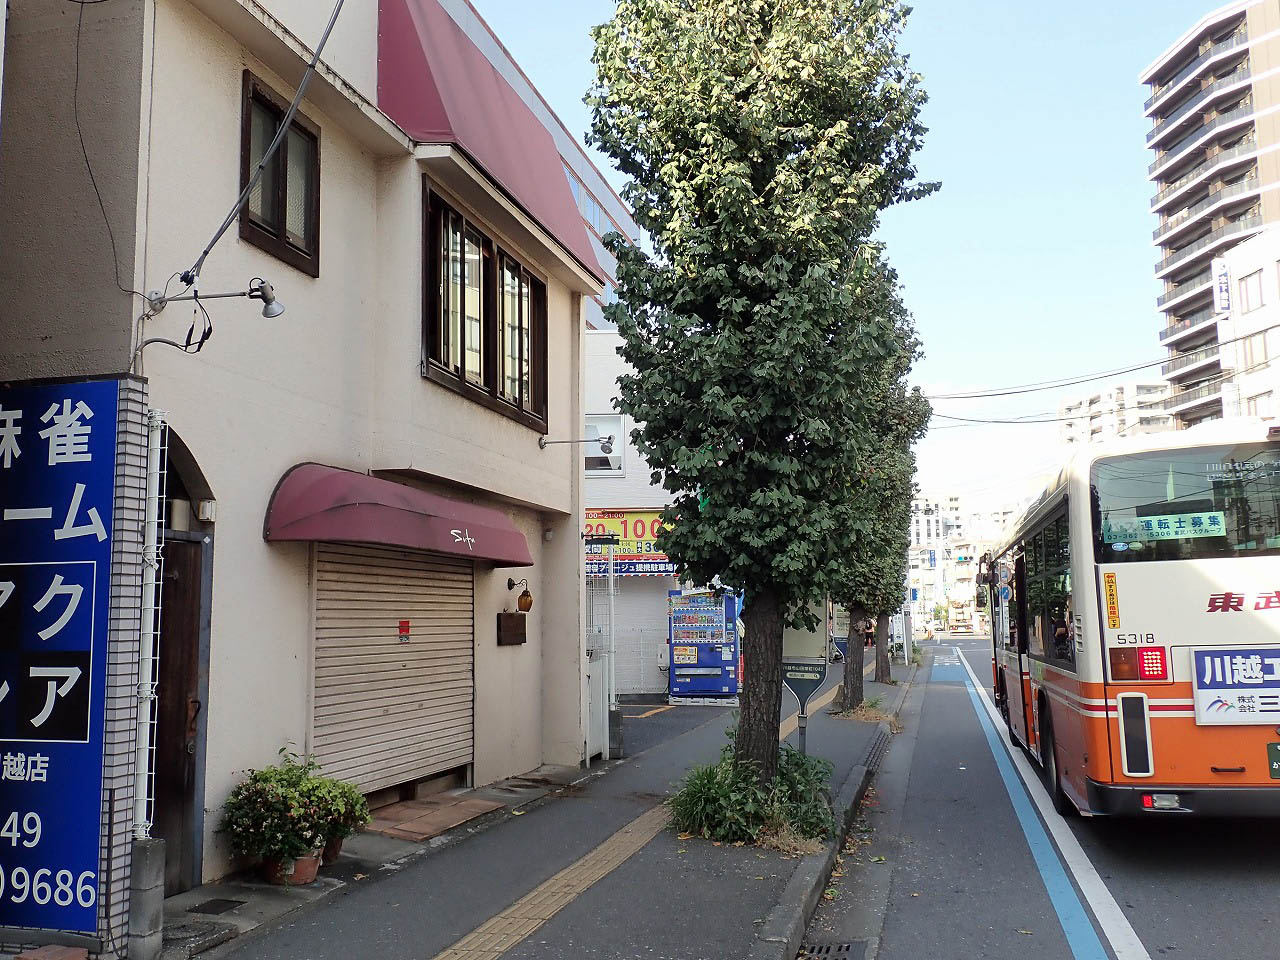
[804,664]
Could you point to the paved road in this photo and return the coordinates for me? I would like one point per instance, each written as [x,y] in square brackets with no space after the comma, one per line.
[972,867]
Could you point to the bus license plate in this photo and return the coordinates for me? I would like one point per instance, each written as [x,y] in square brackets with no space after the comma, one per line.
[1273,760]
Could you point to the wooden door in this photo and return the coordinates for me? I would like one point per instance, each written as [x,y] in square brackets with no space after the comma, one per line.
[178,710]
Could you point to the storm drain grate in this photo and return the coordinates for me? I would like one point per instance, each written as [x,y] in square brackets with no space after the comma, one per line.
[850,950]
[217,905]
[876,754]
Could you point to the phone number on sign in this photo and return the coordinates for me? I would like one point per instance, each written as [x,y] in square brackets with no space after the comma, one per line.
[46,884]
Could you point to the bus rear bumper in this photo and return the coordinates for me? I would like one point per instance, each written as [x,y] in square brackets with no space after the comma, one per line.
[1111,800]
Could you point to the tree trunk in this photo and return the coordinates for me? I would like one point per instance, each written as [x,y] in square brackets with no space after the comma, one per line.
[851,696]
[761,704]
[882,649]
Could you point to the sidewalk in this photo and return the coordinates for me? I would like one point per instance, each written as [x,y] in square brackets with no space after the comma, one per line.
[589,871]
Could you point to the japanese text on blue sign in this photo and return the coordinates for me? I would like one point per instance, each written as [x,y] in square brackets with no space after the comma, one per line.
[57,478]
[1237,686]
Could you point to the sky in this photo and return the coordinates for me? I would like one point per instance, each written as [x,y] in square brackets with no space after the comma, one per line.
[1034,260]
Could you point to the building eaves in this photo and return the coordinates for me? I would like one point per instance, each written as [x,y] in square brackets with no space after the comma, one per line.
[1204,23]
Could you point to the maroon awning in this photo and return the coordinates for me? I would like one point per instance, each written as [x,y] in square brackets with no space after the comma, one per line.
[315,502]
[440,88]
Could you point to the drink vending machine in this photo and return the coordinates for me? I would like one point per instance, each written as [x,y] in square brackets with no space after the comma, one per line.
[705,660]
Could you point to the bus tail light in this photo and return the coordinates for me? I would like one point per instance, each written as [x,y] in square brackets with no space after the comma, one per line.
[1131,663]
[1153,663]
[1124,664]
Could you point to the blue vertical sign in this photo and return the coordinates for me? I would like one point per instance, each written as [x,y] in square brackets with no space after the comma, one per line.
[57,488]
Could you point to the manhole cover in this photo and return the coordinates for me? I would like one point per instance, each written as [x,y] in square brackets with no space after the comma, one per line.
[847,950]
[216,906]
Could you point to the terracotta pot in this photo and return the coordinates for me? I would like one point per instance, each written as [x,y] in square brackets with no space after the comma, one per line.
[331,850]
[291,873]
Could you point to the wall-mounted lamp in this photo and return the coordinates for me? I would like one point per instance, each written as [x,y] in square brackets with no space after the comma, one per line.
[606,443]
[524,602]
[259,289]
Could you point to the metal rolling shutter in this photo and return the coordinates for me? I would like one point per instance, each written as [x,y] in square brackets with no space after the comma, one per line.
[388,712]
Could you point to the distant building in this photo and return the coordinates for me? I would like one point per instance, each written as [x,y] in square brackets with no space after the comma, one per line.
[1127,408]
[1213,104]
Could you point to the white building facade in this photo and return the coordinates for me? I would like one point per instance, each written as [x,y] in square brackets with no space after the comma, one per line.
[1249,326]
[1129,408]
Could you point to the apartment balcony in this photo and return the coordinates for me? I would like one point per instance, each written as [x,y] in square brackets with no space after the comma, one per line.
[1184,401]
[1224,121]
[1181,329]
[1215,53]
[1162,129]
[1196,212]
[1209,242]
[1182,292]
[1191,363]
[1203,170]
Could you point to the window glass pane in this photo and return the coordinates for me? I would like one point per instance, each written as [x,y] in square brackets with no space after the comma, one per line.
[510,331]
[453,328]
[474,312]
[262,127]
[298,186]
[526,324]
[1060,641]
[1054,546]
[1200,502]
[598,427]
[1038,626]
[1035,550]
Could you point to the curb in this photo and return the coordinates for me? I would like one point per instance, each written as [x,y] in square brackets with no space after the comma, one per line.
[780,936]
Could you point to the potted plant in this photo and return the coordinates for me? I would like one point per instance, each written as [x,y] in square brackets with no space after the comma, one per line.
[346,812]
[279,814]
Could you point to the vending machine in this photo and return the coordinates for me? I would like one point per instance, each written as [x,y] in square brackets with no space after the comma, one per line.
[704,657]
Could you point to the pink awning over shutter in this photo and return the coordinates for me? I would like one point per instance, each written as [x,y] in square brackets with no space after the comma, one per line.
[436,84]
[316,502]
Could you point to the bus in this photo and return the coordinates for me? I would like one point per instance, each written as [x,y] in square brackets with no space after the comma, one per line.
[1135,625]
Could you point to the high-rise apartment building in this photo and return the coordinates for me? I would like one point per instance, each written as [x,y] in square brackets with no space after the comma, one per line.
[1215,110]
[1112,410]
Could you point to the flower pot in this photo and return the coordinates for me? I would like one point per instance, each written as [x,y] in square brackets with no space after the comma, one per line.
[291,873]
[331,850]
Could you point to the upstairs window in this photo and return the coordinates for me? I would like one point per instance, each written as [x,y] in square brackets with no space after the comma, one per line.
[485,327]
[282,213]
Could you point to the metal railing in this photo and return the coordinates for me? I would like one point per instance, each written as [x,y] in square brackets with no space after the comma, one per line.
[1236,39]
[1205,93]
[1187,322]
[1186,360]
[1247,145]
[1225,193]
[1209,239]
[1181,150]
[1194,394]
[1181,288]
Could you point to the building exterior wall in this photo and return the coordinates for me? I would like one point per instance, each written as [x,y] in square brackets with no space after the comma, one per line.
[61,305]
[1251,333]
[1128,408]
[336,379]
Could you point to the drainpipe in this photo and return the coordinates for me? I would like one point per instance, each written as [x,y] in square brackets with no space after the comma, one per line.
[147,644]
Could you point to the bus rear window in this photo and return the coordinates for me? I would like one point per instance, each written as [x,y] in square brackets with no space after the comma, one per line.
[1221,501]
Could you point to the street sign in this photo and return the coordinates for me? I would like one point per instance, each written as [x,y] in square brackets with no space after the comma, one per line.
[57,479]
[803,678]
[1005,593]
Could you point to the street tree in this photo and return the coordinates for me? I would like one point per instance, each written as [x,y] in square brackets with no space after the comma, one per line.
[762,139]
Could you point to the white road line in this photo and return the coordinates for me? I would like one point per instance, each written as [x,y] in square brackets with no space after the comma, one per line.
[1120,934]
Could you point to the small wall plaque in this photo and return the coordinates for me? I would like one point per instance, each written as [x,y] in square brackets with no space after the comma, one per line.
[511,629]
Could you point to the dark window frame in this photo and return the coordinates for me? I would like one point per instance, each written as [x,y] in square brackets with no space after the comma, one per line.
[1057,524]
[435,366]
[276,241]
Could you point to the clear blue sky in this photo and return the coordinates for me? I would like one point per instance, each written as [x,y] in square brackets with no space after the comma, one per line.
[1034,261]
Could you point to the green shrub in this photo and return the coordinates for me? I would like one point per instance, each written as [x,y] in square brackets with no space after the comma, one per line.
[346,809]
[725,801]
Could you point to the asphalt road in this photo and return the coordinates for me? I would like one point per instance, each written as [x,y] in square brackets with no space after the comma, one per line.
[955,859]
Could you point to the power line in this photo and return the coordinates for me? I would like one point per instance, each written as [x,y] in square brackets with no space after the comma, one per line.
[1069,382]
[191,276]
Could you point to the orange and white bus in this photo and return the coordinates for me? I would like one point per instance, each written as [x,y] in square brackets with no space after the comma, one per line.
[1135,617]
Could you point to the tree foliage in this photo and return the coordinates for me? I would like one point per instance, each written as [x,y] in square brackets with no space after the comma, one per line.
[762,139]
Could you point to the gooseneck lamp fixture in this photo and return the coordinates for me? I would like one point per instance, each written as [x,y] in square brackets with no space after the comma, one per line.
[606,443]
[259,289]
[524,602]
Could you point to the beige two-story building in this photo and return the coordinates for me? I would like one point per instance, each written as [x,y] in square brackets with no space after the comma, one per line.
[353,481]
